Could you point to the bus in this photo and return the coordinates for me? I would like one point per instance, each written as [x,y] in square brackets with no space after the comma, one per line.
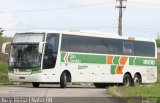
[81,56]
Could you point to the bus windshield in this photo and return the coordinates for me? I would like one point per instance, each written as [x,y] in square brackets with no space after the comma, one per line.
[24,50]
[25,55]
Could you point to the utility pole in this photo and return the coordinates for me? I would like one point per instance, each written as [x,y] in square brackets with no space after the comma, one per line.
[120,6]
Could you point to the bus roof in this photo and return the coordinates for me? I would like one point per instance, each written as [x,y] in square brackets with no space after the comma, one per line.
[89,33]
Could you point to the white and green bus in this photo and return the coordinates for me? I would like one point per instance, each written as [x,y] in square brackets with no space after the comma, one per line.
[81,56]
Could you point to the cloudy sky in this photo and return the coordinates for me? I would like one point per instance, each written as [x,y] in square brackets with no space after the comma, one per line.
[141,17]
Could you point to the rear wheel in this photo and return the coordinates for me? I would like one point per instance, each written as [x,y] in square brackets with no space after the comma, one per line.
[63,80]
[137,80]
[127,81]
[35,84]
[100,85]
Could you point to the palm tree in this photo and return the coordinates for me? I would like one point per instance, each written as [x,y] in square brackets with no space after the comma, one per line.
[1,31]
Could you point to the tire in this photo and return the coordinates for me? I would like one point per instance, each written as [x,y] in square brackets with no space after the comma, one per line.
[100,85]
[127,80]
[63,80]
[35,84]
[137,80]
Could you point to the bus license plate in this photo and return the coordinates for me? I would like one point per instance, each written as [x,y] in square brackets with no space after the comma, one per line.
[21,77]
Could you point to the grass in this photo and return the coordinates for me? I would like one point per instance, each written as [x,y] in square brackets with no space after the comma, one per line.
[4,73]
[147,90]
[141,91]
[3,65]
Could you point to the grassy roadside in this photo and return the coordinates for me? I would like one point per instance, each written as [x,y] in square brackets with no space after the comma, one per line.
[149,90]
[3,60]
[4,73]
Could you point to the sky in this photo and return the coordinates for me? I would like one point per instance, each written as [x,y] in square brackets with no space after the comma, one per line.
[141,18]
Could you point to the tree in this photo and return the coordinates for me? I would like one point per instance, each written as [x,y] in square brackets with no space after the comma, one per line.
[1,31]
[158,42]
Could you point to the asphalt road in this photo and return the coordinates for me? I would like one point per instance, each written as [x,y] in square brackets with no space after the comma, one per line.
[71,94]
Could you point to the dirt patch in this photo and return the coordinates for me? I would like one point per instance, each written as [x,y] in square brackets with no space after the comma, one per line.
[4,58]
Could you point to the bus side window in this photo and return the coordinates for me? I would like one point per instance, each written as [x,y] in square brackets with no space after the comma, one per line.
[139,48]
[99,46]
[114,46]
[110,49]
[128,47]
[100,49]
[149,49]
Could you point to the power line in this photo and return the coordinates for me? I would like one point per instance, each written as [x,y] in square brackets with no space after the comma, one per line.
[60,28]
[53,9]
[86,27]
[145,4]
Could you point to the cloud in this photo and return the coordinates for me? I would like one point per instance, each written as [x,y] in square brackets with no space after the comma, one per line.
[85,2]
[7,21]
[11,23]
[100,14]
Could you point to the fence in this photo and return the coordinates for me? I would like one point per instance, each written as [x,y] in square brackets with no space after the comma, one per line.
[3,57]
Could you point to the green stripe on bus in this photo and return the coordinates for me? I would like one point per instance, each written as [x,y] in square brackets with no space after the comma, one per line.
[142,61]
[84,58]
[131,60]
[62,57]
[113,69]
[80,58]
[116,60]
[101,59]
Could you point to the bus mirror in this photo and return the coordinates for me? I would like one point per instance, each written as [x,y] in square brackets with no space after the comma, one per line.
[41,45]
[4,46]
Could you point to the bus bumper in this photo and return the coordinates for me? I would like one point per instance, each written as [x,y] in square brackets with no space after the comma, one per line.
[38,77]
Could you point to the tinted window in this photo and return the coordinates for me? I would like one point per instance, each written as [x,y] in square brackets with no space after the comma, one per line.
[75,43]
[139,48]
[87,44]
[51,50]
[144,48]
[65,46]
[149,49]
[114,46]
[84,44]
[128,48]
[99,46]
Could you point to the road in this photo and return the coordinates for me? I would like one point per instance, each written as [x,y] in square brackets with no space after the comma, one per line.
[71,94]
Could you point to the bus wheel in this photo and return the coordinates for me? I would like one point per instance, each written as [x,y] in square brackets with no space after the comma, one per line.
[100,85]
[127,81]
[137,80]
[63,80]
[35,84]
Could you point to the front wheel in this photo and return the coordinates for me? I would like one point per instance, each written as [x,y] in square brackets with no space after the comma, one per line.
[127,81]
[63,80]
[35,84]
